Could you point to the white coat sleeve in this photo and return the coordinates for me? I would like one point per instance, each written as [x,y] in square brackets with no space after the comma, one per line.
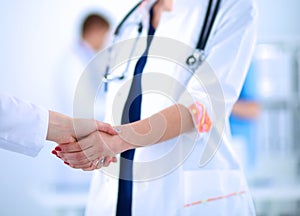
[23,126]
[229,51]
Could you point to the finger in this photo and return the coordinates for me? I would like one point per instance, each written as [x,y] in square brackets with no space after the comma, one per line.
[98,165]
[88,154]
[107,161]
[78,162]
[89,169]
[93,165]
[114,160]
[68,164]
[72,147]
[82,166]
[93,158]
[70,139]
[107,128]
[84,127]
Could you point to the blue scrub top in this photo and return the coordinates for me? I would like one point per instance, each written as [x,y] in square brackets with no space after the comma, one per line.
[244,127]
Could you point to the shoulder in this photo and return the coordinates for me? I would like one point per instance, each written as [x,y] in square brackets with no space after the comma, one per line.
[241,7]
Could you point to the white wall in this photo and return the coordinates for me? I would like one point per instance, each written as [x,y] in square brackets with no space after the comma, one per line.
[279,21]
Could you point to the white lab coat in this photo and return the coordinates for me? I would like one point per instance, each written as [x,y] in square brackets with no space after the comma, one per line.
[23,126]
[219,187]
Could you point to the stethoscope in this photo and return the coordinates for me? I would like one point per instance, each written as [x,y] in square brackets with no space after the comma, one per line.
[193,61]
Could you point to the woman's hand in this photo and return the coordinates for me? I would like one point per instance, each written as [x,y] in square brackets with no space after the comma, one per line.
[86,153]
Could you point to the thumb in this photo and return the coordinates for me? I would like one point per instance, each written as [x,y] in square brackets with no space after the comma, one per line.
[107,128]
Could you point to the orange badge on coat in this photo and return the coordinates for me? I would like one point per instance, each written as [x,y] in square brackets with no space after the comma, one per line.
[201,118]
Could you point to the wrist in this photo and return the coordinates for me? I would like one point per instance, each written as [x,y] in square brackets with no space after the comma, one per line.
[122,144]
[60,128]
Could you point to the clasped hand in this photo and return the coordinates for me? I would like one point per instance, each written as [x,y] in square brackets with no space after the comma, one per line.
[84,144]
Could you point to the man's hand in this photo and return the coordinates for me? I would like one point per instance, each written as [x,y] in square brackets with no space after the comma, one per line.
[87,151]
[63,129]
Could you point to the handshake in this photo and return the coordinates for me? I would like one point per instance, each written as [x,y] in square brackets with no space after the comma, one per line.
[88,144]
[84,143]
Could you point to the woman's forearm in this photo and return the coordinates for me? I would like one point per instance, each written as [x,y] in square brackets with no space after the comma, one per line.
[162,126]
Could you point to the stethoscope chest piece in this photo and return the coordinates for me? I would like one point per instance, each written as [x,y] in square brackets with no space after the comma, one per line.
[195,59]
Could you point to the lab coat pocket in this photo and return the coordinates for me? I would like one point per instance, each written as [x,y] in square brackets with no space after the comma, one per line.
[216,192]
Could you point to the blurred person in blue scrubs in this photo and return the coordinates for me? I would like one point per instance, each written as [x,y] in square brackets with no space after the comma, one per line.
[243,118]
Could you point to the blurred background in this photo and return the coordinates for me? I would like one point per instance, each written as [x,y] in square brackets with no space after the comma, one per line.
[37,35]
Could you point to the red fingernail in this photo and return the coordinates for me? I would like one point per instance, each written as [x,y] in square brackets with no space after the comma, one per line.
[66,163]
[58,148]
[58,157]
[54,152]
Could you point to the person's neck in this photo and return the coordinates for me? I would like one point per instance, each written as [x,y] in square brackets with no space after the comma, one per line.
[158,9]
[89,42]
